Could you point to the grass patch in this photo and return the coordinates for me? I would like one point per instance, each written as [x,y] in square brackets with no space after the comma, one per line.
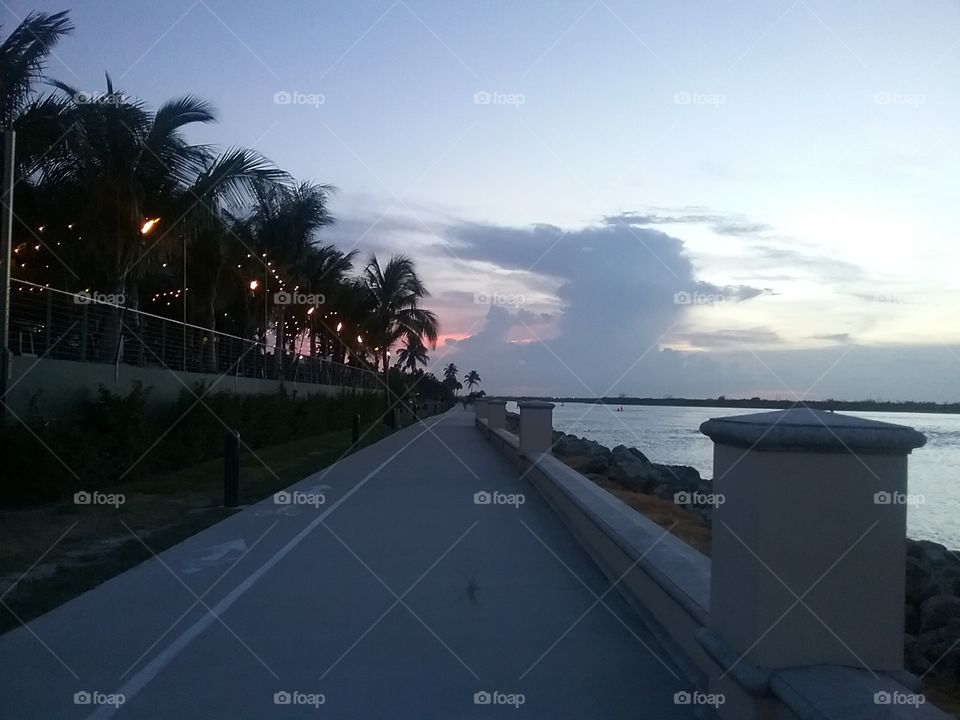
[163,509]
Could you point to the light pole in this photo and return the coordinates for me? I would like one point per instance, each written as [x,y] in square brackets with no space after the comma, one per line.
[6,243]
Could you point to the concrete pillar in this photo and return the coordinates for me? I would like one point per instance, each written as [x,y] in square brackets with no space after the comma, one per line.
[811,505]
[536,426]
[496,414]
[480,408]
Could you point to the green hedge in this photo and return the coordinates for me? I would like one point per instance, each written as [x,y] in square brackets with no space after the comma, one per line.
[115,440]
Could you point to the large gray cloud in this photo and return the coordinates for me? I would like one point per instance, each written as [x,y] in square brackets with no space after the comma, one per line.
[612,288]
[618,285]
[720,223]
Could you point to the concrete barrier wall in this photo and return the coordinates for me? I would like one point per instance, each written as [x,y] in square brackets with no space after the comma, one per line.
[668,583]
[665,580]
[58,387]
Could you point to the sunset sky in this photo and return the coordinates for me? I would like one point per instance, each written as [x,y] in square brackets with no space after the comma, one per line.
[687,198]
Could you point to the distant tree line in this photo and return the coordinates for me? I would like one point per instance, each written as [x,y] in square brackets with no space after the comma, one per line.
[764,404]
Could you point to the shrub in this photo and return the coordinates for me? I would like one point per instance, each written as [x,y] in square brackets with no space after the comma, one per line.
[116,439]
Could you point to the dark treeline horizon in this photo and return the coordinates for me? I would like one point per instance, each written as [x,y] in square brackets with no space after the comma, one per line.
[761,403]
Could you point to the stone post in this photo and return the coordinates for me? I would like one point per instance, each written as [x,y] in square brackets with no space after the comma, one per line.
[496,414]
[536,426]
[809,527]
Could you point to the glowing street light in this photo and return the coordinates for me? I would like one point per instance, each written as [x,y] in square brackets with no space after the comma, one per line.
[339,326]
[254,284]
[148,226]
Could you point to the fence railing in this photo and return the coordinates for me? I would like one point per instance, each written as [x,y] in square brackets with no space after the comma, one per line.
[90,328]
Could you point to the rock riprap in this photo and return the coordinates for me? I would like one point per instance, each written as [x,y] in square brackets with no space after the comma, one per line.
[632,470]
[932,619]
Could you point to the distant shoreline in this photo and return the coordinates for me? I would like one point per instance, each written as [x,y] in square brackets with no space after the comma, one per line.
[759,403]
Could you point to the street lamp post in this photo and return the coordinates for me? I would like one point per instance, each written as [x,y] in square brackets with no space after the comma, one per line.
[6,243]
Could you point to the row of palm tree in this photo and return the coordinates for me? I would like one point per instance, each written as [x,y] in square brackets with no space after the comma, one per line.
[112,195]
[451,378]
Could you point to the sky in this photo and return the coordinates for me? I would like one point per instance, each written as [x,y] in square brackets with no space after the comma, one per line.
[751,198]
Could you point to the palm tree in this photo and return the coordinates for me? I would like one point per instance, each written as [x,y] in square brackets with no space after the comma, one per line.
[325,273]
[284,226]
[122,163]
[23,58]
[472,379]
[396,291]
[413,353]
[231,180]
[22,63]
[450,372]
[450,376]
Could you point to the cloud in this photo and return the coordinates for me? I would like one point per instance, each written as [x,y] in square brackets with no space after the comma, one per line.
[769,255]
[842,338]
[721,223]
[726,339]
[765,248]
[592,311]
[616,287]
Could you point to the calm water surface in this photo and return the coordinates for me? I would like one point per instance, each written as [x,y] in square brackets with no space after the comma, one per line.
[671,435]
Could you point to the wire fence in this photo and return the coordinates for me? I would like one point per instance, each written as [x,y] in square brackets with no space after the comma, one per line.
[96,328]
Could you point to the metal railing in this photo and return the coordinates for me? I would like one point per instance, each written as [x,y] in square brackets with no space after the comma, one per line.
[81,327]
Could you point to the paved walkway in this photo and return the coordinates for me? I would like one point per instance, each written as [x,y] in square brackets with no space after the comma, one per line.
[399,597]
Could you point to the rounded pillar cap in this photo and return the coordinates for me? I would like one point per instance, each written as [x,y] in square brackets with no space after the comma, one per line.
[804,429]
